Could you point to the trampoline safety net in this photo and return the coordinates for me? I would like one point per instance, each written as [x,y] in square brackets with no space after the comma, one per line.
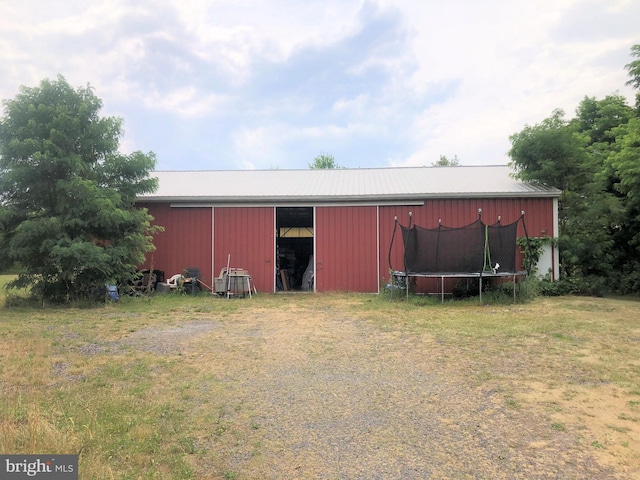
[474,248]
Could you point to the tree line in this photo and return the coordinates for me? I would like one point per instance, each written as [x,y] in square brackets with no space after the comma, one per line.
[67,196]
[594,159]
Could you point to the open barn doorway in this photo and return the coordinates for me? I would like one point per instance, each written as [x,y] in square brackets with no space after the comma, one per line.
[294,249]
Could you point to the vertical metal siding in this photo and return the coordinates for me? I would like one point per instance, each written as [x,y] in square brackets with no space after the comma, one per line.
[457,213]
[351,243]
[247,234]
[346,249]
[185,242]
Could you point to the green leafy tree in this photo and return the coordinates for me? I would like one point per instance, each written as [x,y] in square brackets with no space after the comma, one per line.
[624,163]
[443,161]
[633,68]
[558,153]
[324,161]
[598,118]
[625,160]
[552,152]
[593,159]
[67,213]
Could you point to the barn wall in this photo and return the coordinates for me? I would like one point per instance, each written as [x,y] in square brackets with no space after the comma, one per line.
[351,247]
[346,249]
[457,213]
[185,242]
[248,235]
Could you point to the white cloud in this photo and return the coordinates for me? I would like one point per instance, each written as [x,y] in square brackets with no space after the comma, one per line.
[355,106]
[401,79]
[186,101]
[511,71]
[268,146]
[236,35]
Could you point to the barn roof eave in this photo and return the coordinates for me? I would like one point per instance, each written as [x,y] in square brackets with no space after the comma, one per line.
[342,198]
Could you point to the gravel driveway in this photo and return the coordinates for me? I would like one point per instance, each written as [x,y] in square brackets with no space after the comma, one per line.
[327,396]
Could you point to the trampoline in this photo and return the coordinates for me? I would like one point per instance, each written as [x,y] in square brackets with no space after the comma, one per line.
[476,250]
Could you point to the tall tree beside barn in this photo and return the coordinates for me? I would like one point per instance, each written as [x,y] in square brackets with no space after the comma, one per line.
[67,215]
[633,68]
[593,159]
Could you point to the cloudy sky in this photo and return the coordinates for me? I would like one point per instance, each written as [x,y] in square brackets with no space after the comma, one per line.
[255,84]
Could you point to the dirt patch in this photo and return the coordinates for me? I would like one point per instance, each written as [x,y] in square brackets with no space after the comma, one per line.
[601,416]
[308,392]
[171,340]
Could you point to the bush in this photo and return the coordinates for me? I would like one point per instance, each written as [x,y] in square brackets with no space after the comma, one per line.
[492,291]
[13,300]
[591,285]
[629,279]
[467,288]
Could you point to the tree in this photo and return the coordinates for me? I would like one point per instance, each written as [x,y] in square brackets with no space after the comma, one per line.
[594,160]
[558,153]
[67,212]
[624,162]
[597,118]
[446,162]
[323,161]
[552,152]
[633,68]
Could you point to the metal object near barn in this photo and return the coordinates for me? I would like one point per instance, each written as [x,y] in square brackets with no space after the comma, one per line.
[233,282]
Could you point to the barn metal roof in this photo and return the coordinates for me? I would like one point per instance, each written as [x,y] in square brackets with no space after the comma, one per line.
[341,185]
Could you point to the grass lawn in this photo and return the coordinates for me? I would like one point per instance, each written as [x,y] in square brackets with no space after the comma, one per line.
[179,387]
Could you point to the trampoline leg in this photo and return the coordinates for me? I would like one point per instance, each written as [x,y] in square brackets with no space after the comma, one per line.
[480,289]
[442,288]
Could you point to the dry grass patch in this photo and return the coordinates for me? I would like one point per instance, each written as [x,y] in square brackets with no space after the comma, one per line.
[575,358]
[326,386]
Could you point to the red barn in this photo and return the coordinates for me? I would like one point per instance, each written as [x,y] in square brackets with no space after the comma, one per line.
[277,224]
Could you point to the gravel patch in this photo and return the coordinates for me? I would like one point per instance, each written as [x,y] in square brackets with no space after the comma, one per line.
[398,422]
[334,397]
[93,349]
[60,371]
[169,341]
[338,399]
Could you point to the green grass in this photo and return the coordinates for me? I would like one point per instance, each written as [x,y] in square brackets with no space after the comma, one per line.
[125,412]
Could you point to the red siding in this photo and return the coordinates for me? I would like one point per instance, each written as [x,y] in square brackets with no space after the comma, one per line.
[185,242]
[247,234]
[346,249]
[457,213]
[346,238]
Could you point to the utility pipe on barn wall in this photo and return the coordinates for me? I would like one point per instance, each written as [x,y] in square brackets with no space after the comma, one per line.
[213,242]
[378,244]
[556,233]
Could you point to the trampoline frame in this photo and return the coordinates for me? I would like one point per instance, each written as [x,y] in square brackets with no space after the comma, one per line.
[395,275]
[489,273]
